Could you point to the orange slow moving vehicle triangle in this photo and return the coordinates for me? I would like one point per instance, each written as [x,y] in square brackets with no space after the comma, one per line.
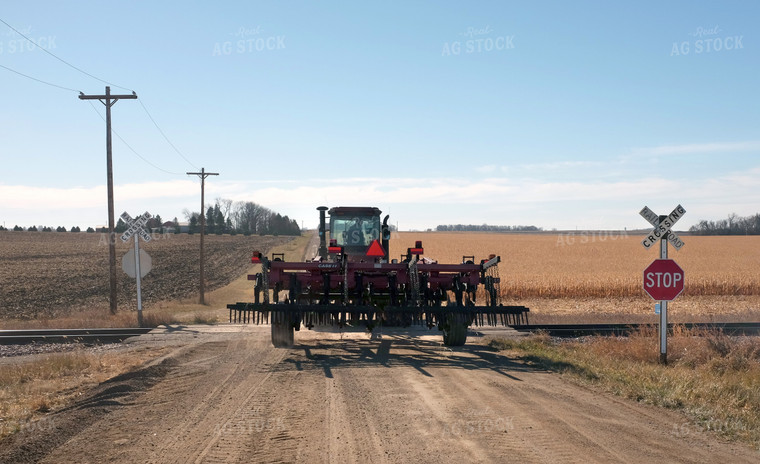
[376,249]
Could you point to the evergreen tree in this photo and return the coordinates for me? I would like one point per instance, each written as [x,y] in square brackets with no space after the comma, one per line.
[219,220]
[210,216]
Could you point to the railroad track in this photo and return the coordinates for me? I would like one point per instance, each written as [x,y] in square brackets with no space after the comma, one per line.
[581,330]
[23,337]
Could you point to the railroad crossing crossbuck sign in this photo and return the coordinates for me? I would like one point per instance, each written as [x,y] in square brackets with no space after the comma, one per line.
[137,264]
[662,229]
[136,226]
[663,280]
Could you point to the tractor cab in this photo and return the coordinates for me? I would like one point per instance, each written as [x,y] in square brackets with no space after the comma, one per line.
[355,231]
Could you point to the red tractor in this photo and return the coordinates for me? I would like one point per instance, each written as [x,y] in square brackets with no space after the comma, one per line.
[352,281]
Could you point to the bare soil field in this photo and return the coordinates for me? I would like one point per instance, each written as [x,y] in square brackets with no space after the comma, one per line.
[51,274]
[227,396]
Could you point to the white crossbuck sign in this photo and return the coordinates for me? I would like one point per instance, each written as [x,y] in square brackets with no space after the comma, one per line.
[662,229]
[136,226]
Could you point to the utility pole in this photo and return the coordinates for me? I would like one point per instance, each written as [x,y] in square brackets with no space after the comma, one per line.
[108,100]
[203,174]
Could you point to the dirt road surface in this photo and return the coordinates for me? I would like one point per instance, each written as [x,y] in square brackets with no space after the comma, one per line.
[225,394]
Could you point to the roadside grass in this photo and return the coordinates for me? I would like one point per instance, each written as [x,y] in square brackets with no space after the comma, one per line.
[30,389]
[169,314]
[713,378]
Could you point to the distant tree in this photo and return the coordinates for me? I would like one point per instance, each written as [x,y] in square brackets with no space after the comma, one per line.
[47,229]
[32,229]
[121,226]
[16,228]
[733,225]
[219,220]
[76,229]
[210,218]
[90,230]
[193,226]
[2,229]
[176,225]
[60,229]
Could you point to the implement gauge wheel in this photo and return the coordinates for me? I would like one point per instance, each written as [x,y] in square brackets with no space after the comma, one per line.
[282,335]
[455,330]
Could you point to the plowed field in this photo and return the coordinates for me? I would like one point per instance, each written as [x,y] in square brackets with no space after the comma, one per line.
[49,274]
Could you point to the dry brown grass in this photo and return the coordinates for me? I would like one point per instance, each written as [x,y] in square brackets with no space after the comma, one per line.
[33,387]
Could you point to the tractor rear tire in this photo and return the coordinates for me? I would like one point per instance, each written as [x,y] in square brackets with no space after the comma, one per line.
[282,335]
[455,332]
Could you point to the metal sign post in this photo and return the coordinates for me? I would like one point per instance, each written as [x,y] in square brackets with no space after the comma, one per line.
[136,229]
[662,232]
[663,311]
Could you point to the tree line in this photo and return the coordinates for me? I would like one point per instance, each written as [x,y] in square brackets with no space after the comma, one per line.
[733,225]
[224,217]
[18,228]
[485,228]
[242,217]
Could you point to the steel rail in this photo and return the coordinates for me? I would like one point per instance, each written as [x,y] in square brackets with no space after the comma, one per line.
[102,335]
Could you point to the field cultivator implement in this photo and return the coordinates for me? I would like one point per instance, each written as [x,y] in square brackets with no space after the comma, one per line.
[353,284]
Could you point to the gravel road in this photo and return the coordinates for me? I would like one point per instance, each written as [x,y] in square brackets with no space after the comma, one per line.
[224,394]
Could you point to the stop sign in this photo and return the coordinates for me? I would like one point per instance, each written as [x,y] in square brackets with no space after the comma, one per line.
[663,279]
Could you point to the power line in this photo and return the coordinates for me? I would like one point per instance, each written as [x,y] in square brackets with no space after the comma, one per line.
[61,59]
[105,82]
[132,149]
[164,135]
[35,79]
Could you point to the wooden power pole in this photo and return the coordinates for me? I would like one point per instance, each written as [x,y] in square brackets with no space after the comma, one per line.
[108,100]
[203,174]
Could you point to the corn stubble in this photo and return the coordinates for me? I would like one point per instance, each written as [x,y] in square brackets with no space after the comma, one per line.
[602,267]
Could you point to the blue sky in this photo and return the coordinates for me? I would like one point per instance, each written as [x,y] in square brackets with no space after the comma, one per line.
[557,114]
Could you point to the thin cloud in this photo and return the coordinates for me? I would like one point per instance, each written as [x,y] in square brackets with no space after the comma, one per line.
[697,148]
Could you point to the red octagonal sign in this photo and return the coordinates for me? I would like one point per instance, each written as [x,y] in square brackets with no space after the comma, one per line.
[663,279]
